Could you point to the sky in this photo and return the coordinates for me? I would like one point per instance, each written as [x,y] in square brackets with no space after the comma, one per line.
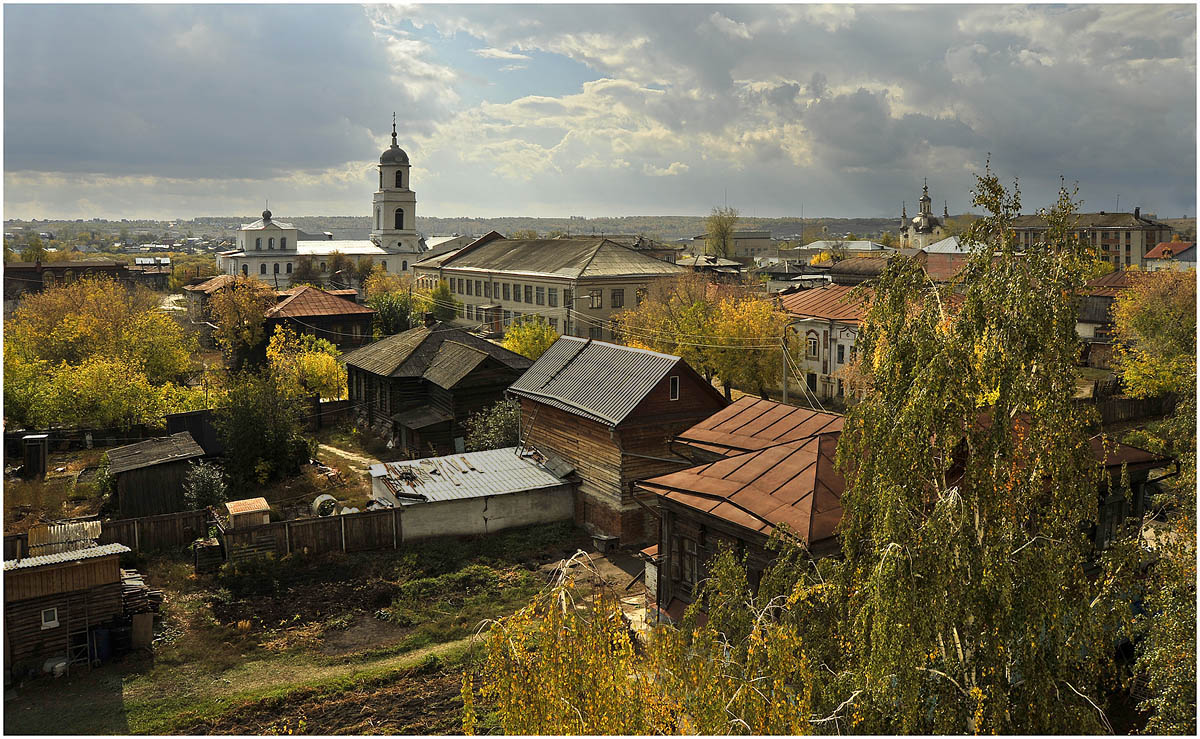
[179,111]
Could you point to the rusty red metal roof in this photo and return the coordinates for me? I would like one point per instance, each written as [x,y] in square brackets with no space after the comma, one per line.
[751,424]
[832,302]
[1169,249]
[1113,454]
[1110,285]
[794,483]
[312,301]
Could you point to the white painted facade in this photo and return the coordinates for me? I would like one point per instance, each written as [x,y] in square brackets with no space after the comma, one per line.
[825,348]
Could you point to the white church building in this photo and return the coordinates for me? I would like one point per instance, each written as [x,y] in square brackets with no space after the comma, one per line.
[270,250]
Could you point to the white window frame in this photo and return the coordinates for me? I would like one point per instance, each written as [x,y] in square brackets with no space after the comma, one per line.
[52,623]
[674,387]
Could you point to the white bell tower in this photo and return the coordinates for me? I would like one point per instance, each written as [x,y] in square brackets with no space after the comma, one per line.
[394,206]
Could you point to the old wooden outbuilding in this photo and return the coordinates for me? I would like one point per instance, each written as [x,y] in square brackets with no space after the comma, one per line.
[54,602]
[249,512]
[418,387]
[149,474]
[611,411]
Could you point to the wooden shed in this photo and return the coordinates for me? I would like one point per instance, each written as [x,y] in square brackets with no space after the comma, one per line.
[246,513]
[149,474]
[53,602]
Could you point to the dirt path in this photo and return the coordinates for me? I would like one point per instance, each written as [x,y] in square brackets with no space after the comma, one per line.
[366,462]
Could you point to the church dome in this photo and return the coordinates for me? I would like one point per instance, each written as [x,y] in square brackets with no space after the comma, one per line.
[394,154]
[925,223]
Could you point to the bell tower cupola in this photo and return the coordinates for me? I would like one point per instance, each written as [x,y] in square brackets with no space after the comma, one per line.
[394,206]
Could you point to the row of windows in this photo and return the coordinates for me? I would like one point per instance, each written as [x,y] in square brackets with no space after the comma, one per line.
[398,218]
[813,350]
[262,268]
[535,294]
[270,243]
[509,318]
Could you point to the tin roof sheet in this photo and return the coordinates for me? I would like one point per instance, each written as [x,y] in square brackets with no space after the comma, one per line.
[574,258]
[62,537]
[153,451]
[469,475]
[103,550]
[794,483]
[750,424]
[595,379]
[453,362]
[832,302]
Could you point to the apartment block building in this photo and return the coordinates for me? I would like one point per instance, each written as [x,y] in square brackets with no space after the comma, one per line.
[576,284]
[1122,238]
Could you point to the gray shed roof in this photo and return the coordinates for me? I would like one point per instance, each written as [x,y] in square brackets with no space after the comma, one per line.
[470,475]
[148,453]
[453,362]
[572,258]
[601,381]
[64,557]
[411,353]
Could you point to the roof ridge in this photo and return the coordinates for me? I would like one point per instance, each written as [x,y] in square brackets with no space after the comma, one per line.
[592,258]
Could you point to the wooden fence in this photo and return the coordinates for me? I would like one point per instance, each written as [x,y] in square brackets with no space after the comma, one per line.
[148,534]
[354,532]
[1119,409]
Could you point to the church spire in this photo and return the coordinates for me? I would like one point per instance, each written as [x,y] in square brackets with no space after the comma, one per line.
[394,129]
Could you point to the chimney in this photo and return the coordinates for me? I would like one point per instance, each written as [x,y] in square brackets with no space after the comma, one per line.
[430,320]
[1137,212]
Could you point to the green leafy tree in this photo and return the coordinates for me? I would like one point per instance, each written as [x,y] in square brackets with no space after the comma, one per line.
[523,233]
[442,302]
[969,485]
[529,337]
[307,272]
[204,486]
[240,314]
[1155,327]
[308,363]
[35,251]
[341,269]
[260,425]
[718,235]
[363,268]
[394,312]
[495,427]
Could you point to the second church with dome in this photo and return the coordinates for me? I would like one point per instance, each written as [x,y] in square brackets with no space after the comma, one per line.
[270,250]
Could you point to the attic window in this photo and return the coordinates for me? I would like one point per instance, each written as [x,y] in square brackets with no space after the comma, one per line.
[674,387]
[49,618]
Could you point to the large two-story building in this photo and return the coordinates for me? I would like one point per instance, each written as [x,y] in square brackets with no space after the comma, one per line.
[576,284]
[1122,238]
[826,321]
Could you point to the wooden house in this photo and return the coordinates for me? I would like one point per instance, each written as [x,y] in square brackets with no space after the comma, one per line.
[310,310]
[149,474]
[611,412]
[417,388]
[54,602]
[200,295]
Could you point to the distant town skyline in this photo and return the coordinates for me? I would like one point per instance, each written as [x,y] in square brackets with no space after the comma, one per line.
[595,110]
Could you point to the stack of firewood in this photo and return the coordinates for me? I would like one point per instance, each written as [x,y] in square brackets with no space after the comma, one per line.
[136,596]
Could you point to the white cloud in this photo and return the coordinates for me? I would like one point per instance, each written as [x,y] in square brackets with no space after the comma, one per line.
[729,27]
[499,54]
[675,168]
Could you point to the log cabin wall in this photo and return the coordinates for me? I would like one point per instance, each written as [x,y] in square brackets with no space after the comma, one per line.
[26,639]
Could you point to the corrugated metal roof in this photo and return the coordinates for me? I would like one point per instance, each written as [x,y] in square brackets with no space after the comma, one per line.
[248,505]
[601,381]
[62,537]
[463,476]
[750,424]
[453,362]
[794,483]
[831,302]
[306,301]
[408,354]
[153,451]
[574,258]
[64,557]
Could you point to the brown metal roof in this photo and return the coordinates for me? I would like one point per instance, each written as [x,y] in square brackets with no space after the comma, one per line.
[1169,249]
[211,285]
[1110,285]
[1113,454]
[750,424]
[794,483]
[832,302]
[308,301]
[153,451]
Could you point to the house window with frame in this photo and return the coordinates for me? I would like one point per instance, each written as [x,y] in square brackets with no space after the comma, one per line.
[470,287]
[271,243]
[811,380]
[507,317]
[277,268]
[688,565]
[811,348]
[49,618]
[841,353]
[487,289]
[245,270]
[674,387]
[258,244]
[262,268]
[618,298]
[479,288]
[289,268]
[516,292]
[597,298]
[554,324]
[552,297]
[529,293]
[282,242]
[597,333]
[323,268]
[507,291]
[470,311]
[540,295]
